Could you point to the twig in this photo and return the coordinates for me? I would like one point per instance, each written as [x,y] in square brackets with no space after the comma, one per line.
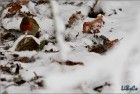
[96,2]
[59,28]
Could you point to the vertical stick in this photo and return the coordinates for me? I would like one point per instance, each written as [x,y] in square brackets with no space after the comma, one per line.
[59,29]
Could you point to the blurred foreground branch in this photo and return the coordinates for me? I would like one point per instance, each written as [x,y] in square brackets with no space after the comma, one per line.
[59,29]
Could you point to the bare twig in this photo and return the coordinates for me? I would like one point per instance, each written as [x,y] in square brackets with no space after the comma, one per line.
[59,29]
[96,2]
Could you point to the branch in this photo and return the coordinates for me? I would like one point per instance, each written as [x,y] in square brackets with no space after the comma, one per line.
[59,29]
[96,2]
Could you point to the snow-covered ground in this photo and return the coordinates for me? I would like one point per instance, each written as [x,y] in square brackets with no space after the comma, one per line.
[46,71]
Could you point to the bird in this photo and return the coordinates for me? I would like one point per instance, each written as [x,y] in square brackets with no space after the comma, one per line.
[29,25]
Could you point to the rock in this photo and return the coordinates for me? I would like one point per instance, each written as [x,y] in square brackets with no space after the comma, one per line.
[27,43]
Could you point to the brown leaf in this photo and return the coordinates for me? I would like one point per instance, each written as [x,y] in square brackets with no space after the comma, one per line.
[87,27]
[23,2]
[19,80]
[39,2]
[71,63]
[9,36]
[8,15]
[25,59]
[93,14]
[14,7]
[73,18]
[110,44]
[93,26]
[102,48]
[5,69]
[10,68]
[24,14]
[97,49]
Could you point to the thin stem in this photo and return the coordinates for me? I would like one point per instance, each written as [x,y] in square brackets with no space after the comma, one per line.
[96,2]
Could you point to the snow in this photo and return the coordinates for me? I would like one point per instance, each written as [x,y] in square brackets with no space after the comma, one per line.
[119,66]
[31,7]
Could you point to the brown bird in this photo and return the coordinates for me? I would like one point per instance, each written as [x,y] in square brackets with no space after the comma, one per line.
[29,26]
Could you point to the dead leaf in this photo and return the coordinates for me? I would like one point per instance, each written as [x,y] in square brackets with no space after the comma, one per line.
[94,26]
[39,2]
[71,63]
[19,80]
[23,2]
[14,7]
[97,49]
[93,14]
[73,18]
[100,88]
[102,48]
[10,68]
[25,59]
[28,14]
